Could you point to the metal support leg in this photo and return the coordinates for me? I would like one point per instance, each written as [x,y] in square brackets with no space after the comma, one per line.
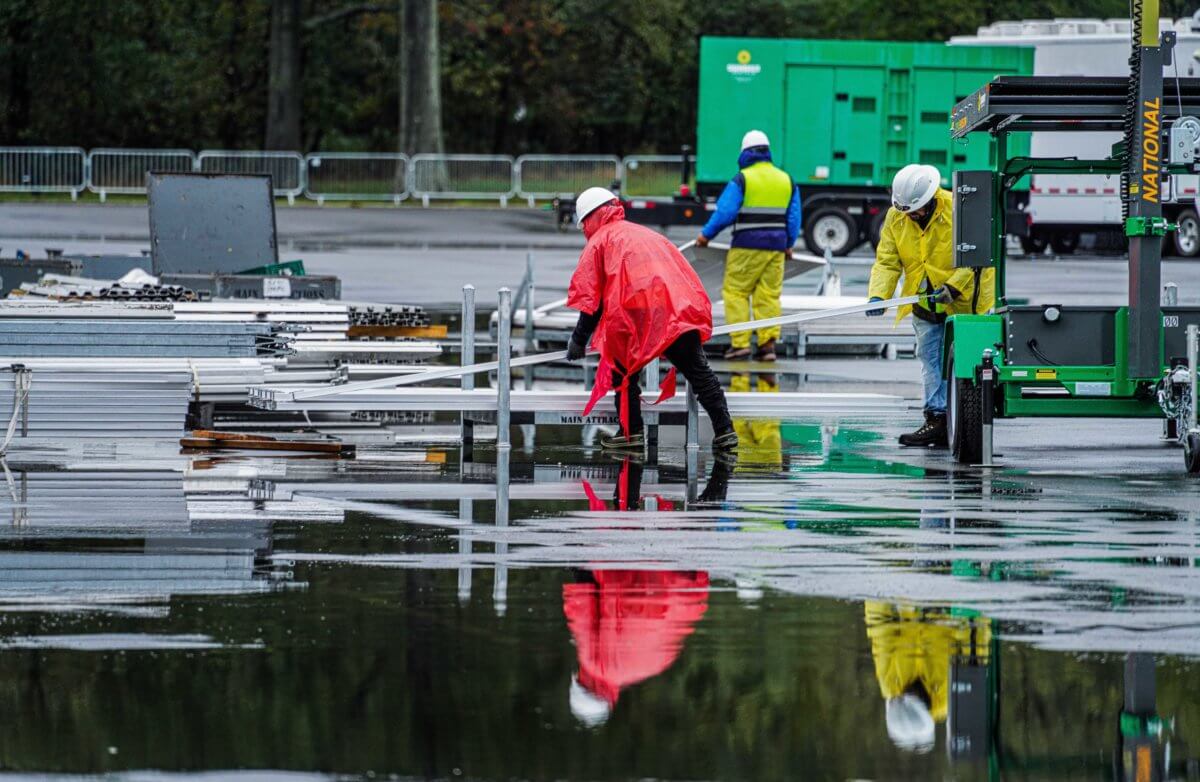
[987,376]
[504,374]
[466,427]
[500,584]
[693,420]
[529,293]
[652,380]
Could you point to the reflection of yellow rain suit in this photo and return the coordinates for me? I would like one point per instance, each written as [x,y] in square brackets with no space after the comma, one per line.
[927,254]
[760,440]
[911,645]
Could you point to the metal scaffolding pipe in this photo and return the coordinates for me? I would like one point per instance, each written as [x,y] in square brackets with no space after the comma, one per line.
[504,369]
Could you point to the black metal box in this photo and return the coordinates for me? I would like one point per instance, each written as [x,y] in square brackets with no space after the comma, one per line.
[974,218]
[1052,335]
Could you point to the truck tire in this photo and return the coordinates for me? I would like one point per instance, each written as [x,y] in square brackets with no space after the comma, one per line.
[964,417]
[1033,245]
[1064,243]
[1191,453]
[877,228]
[1187,237]
[831,228]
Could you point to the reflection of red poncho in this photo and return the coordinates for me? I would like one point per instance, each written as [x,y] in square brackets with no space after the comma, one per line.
[650,293]
[630,625]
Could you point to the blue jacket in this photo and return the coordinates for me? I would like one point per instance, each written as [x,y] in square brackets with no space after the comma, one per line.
[730,203]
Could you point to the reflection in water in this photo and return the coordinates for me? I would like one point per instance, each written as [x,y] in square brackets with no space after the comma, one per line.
[628,626]
[760,440]
[915,651]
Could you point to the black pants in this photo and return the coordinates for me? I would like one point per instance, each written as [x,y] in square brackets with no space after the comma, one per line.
[687,354]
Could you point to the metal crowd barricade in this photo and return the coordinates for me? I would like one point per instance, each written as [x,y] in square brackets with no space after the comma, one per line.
[43,170]
[551,176]
[286,169]
[356,176]
[651,175]
[124,170]
[455,177]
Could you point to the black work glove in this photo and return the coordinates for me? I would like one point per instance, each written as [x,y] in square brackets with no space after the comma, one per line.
[875,313]
[944,295]
[575,351]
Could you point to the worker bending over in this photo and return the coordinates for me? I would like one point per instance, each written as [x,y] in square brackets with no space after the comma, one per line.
[641,299]
[916,242]
[763,206]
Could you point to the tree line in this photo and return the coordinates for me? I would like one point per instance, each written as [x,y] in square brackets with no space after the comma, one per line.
[509,76]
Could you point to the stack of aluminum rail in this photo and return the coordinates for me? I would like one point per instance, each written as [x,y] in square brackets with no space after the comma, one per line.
[108,400]
[131,338]
[305,320]
[71,288]
[388,315]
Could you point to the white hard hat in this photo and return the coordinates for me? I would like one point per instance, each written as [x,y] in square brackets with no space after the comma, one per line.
[591,711]
[914,185]
[909,723]
[755,138]
[589,201]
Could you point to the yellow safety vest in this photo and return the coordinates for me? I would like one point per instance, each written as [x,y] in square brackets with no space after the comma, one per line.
[766,194]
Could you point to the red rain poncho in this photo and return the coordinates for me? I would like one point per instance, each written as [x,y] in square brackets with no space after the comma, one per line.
[631,624]
[650,293]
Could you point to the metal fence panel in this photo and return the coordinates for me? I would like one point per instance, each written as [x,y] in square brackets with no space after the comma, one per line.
[356,176]
[43,170]
[550,176]
[651,175]
[124,170]
[462,176]
[286,169]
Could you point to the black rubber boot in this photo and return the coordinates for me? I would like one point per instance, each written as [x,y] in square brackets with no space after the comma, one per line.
[931,434]
[619,442]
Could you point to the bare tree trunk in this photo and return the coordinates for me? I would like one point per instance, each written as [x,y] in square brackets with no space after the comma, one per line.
[284,100]
[420,78]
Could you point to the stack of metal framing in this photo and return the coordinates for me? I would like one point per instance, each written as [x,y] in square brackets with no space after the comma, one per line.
[132,338]
[103,400]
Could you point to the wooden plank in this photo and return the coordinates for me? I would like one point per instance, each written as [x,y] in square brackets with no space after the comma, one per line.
[422,332]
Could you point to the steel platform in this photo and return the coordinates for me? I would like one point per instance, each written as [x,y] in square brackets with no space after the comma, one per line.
[1026,103]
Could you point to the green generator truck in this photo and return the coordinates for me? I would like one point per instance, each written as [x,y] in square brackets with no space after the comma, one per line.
[843,117]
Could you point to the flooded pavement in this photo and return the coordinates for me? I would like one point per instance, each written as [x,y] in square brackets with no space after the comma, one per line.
[830,607]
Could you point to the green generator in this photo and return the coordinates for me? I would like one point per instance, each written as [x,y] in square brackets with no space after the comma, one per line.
[843,117]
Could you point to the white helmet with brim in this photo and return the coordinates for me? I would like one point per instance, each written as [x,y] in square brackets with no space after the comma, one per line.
[589,201]
[914,186]
[754,138]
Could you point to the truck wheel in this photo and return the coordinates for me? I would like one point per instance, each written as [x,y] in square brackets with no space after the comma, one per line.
[1191,452]
[877,228]
[964,417]
[1033,245]
[1064,243]
[1187,236]
[831,228]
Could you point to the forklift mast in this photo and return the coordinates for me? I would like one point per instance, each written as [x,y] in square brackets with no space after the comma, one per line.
[1145,169]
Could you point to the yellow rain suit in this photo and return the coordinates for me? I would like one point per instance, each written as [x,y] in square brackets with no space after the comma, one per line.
[927,255]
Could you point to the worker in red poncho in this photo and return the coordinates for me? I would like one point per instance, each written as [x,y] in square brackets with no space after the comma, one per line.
[638,299]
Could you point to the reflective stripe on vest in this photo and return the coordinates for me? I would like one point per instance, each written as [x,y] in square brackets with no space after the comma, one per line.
[766,198]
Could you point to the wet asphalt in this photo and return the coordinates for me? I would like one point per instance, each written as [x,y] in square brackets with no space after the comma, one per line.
[556,613]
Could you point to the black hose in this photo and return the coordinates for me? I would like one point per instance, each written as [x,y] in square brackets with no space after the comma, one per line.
[1033,348]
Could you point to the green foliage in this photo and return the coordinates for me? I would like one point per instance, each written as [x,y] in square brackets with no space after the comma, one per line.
[518,75]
